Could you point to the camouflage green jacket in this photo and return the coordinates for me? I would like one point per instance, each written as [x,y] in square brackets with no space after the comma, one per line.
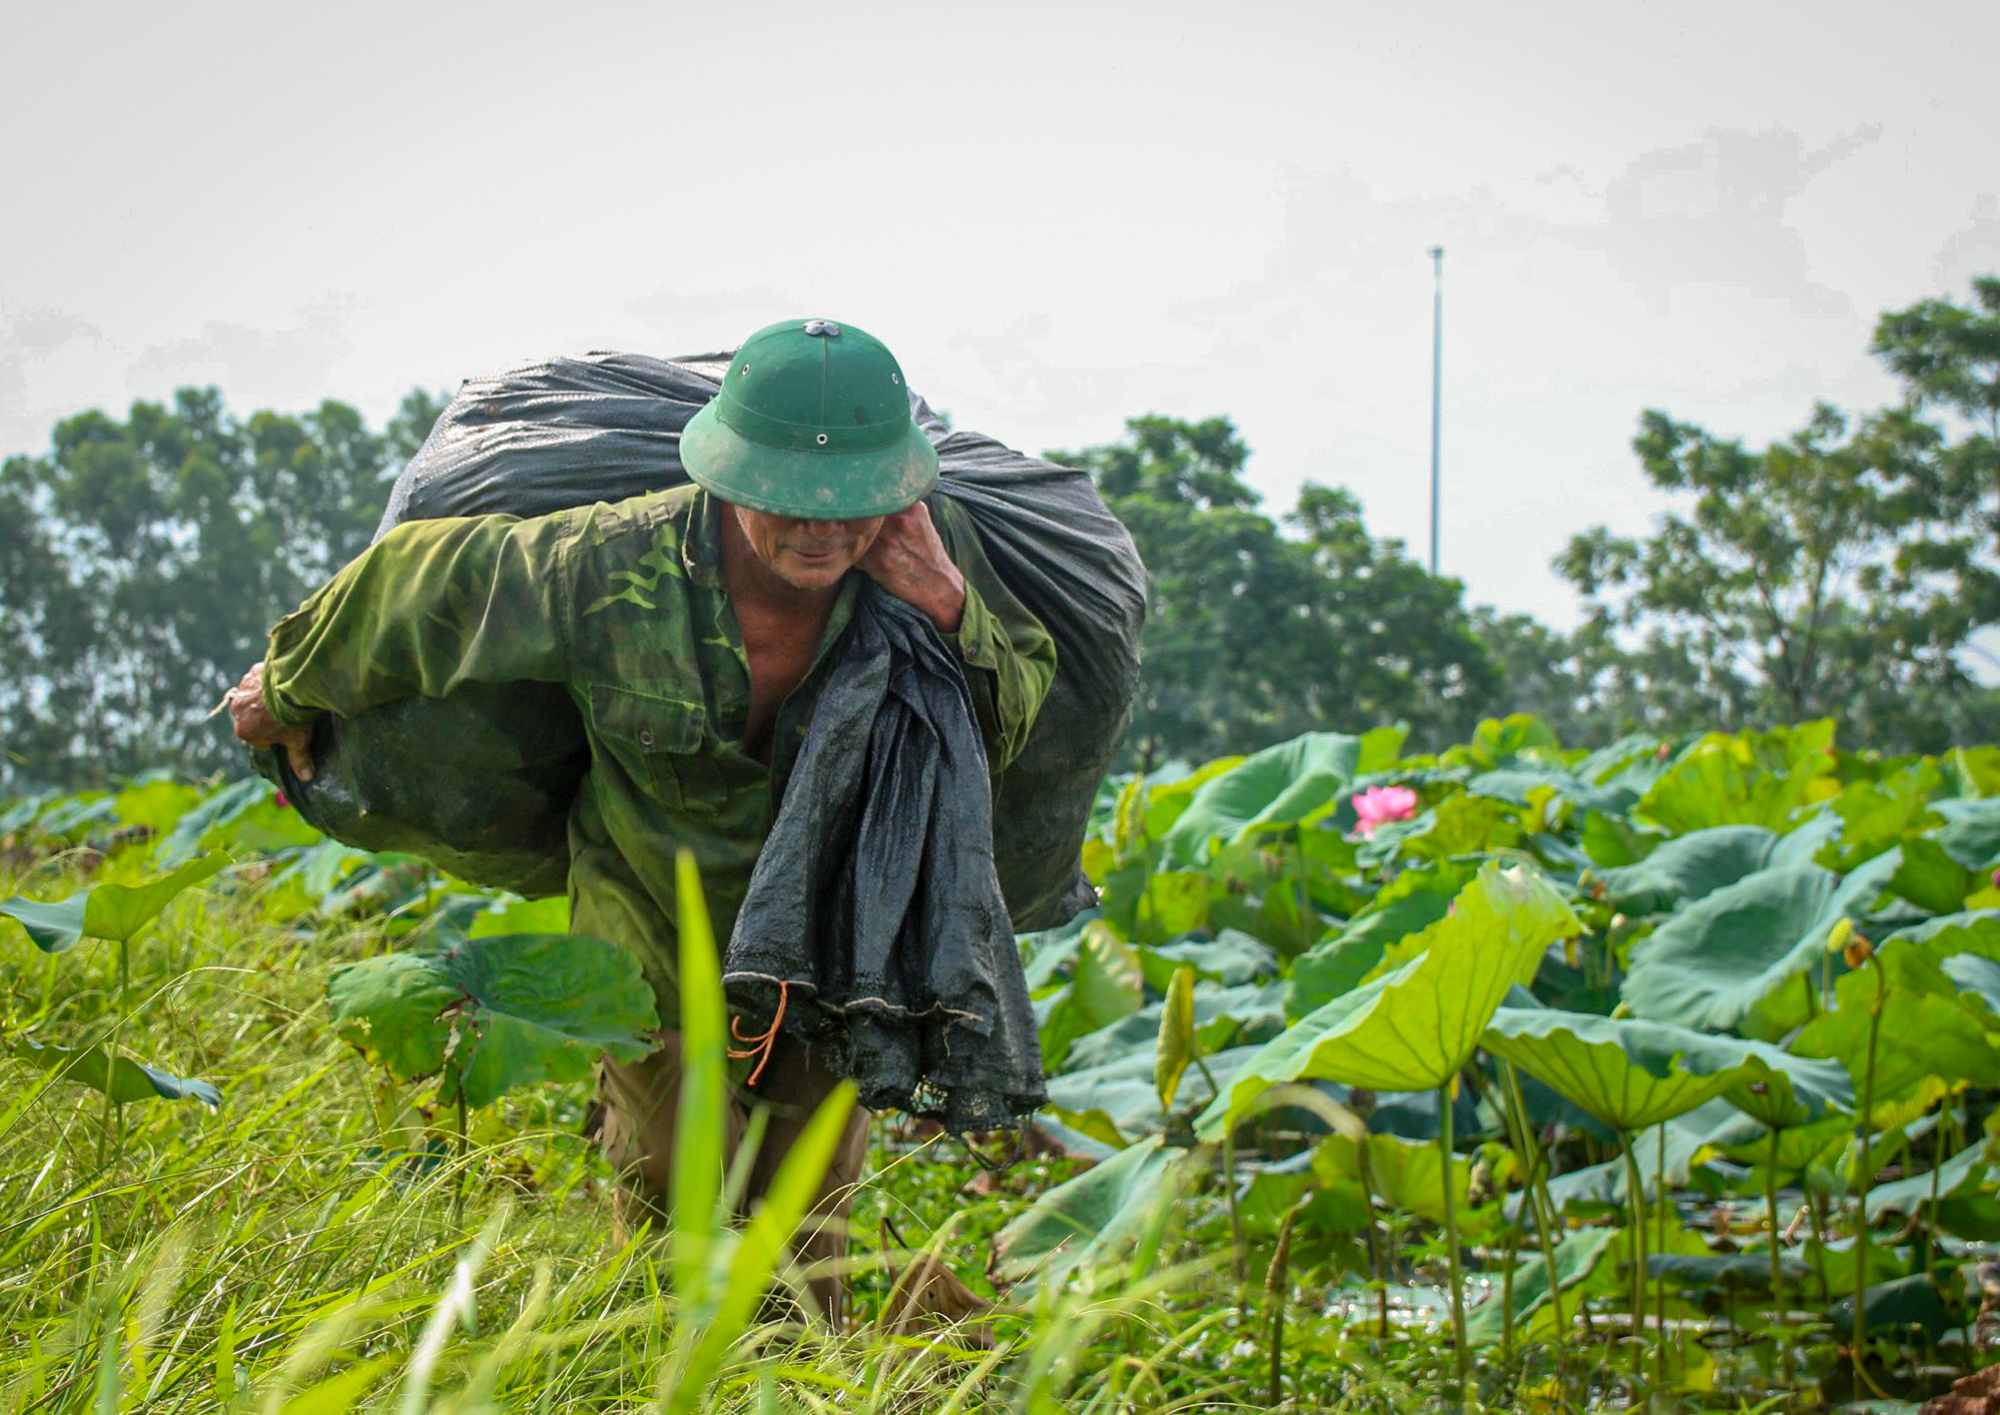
[624,605]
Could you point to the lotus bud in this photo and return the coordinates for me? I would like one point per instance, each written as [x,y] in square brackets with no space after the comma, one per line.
[1618,923]
[1836,941]
[1996,879]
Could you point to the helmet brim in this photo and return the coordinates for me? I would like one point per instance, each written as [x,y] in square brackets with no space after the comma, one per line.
[813,485]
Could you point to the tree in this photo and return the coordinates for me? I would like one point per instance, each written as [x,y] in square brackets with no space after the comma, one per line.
[1817,577]
[143,561]
[1254,636]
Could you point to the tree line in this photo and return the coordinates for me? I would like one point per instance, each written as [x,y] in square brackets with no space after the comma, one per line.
[1847,570]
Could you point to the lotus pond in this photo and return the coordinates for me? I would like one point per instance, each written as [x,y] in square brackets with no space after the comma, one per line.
[1512,1076]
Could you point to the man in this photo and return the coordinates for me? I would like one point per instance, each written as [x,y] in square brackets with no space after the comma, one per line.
[693,628]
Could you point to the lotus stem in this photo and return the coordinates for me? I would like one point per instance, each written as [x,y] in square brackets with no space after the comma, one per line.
[1777,1257]
[1375,1243]
[1861,1123]
[1636,1183]
[1446,1148]
[1536,1190]
[1236,1258]
[1276,1282]
[1660,1208]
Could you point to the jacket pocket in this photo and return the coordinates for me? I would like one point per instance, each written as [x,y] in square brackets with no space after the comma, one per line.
[660,742]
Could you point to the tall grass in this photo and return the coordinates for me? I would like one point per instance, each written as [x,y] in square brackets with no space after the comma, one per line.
[298,1250]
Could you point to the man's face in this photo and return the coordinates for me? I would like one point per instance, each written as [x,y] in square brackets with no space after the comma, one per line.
[807,555]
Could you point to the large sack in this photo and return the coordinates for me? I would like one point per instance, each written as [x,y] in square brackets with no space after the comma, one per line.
[480,781]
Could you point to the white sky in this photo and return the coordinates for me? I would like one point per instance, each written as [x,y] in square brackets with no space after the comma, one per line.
[1058,215]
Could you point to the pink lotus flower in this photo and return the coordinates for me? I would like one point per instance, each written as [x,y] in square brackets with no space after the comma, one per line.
[1379,805]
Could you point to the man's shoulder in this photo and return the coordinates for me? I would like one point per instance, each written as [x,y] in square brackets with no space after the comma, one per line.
[647,515]
[631,553]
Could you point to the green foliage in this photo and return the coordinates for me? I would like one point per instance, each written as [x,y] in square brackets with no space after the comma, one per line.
[108,911]
[489,1014]
[120,1078]
[142,562]
[1255,635]
[1843,569]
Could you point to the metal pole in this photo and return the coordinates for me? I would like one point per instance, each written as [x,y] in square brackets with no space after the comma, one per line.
[1437,377]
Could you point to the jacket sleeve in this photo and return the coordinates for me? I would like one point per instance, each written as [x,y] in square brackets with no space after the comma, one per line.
[432,605]
[1009,657]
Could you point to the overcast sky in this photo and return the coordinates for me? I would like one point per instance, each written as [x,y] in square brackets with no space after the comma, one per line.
[1057,215]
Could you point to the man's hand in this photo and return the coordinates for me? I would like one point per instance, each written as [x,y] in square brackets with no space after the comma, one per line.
[909,561]
[255,725]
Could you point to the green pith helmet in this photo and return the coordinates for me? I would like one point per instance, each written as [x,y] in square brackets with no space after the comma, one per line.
[813,420]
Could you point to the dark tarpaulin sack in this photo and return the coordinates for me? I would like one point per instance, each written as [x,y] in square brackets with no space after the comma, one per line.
[480,781]
[874,924]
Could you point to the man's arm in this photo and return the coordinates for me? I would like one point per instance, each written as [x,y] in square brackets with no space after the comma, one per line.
[1009,657]
[430,606]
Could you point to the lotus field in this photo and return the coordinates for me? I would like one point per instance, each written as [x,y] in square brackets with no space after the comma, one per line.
[1513,1077]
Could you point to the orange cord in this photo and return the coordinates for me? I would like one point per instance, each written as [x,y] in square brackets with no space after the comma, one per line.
[761,1045]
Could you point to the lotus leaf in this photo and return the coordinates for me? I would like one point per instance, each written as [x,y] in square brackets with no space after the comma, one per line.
[1877,815]
[108,911]
[1931,879]
[1934,1034]
[504,1011]
[1720,959]
[1740,1272]
[1905,1304]
[1090,1217]
[1751,778]
[1231,958]
[1689,867]
[1960,1174]
[1630,1074]
[1519,785]
[1577,1257]
[1405,1176]
[1290,784]
[1415,1027]
[120,1077]
[1971,833]
[1124,1089]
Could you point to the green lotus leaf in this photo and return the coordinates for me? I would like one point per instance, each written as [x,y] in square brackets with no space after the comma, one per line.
[120,1077]
[1411,903]
[1515,784]
[183,842]
[1109,982]
[1577,1257]
[1960,1174]
[1929,878]
[1404,1175]
[1935,1032]
[1724,957]
[1223,1017]
[1124,1088]
[496,1013]
[1231,958]
[1414,1028]
[1879,814]
[1738,1272]
[1628,1073]
[108,911]
[1690,867]
[1971,833]
[1093,1215]
[1292,783]
[1750,778]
